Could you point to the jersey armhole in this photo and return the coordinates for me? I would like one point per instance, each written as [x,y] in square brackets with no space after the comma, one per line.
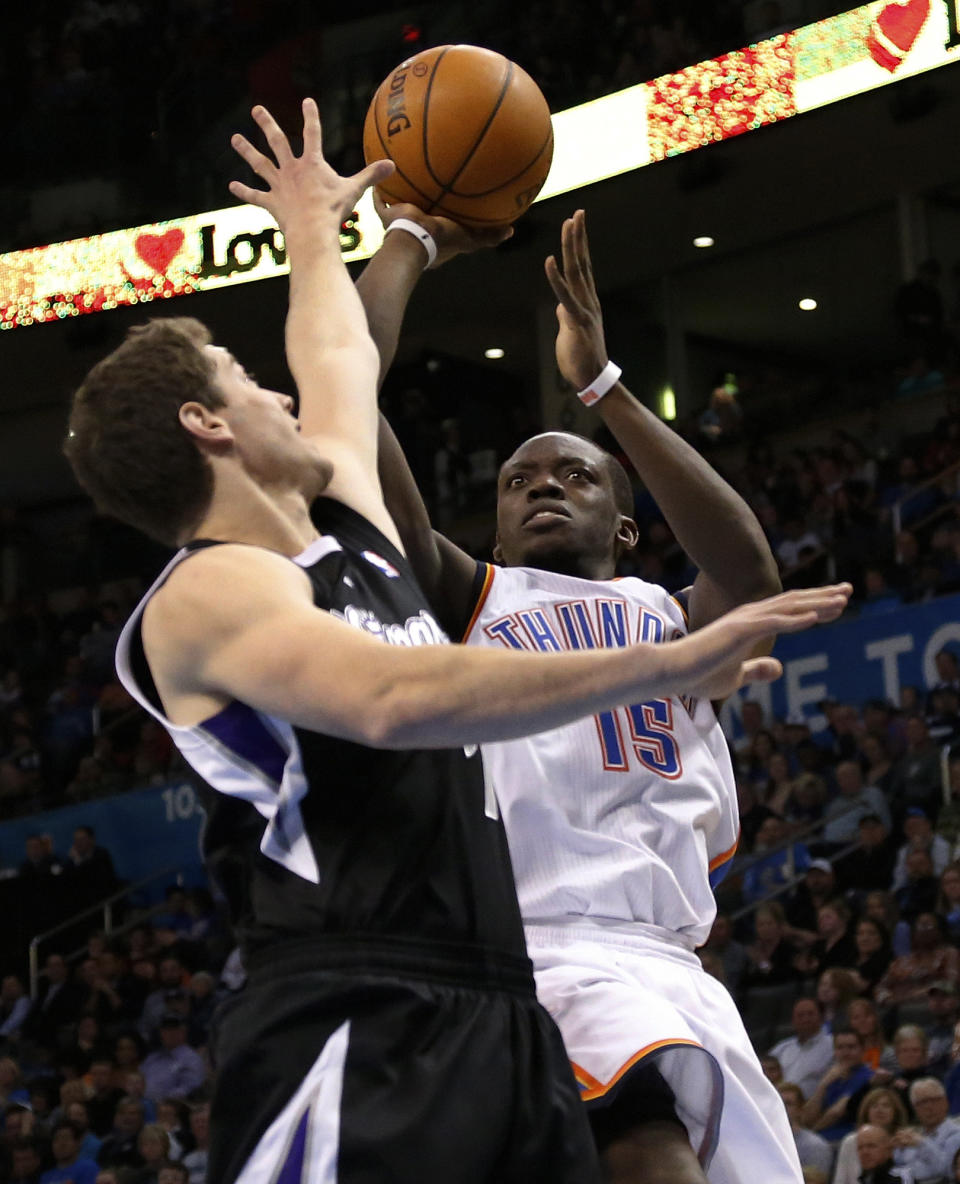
[482,583]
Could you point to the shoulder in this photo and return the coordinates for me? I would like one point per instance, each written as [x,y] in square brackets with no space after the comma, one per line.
[225,578]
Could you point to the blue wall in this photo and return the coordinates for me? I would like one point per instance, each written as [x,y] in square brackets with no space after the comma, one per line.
[867,657]
[145,831]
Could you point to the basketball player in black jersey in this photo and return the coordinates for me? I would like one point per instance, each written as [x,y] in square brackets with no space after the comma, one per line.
[389,1029]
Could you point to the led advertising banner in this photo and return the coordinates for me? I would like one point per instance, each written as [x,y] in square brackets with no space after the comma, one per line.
[849,54]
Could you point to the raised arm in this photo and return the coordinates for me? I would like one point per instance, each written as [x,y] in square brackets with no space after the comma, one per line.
[385,287]
[712,523]
[331,355]
[269,647]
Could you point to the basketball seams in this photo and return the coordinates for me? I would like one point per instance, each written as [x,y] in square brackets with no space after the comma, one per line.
[492,106]
[547,143]
[386,149]
[447,187]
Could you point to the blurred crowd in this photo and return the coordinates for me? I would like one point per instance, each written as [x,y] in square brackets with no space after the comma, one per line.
[839,930]
[104,1073]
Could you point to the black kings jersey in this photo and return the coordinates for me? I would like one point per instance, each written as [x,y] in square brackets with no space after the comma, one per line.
[311,837]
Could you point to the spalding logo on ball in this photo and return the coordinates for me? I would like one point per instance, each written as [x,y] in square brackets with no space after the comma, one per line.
[469,131]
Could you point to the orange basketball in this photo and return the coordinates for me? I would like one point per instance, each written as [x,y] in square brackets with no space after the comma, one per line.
[469,131]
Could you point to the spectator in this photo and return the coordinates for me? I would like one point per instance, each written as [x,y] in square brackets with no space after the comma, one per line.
[948,671]
[826,1109]
[835,945]
[865,1020]
[873,953]
[753,813]
[40,862]
[921,888]
[127,1054]
[930,959]
[943,719]
[119,1148]
[909,1061]
[153,1143]
[813,1149]
[853,802]
[752,721]
[195,1161]
[879,1107]
[869,867]
[944,1005]
[14,1009]
[172,1116]
[722,421]
[948,904]
[70,1165]
[817,887]
[78,1113]
[951,1081]
[204,1003]
[920,837]
[929,1151]
[915,779]
[173,1173]
[57,1004]
[26,1161]
[175,1070]
[805,1056]
[170,976]
[772,956]
[90,868]
[104,1096]
[732,954]
[781,864]
[836,990]
[772,1070]
[875,1153]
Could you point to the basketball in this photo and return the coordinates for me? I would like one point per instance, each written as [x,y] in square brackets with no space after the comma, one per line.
[469,131]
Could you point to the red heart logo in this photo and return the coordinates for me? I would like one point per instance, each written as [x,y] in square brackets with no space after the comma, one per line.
[895,31]
[159,250]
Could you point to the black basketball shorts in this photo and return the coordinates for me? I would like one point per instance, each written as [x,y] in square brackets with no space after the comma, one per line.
[325,1077]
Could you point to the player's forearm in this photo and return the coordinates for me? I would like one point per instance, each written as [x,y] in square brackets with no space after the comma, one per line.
[712,523]
[445,696]
[385,288]
[329,349]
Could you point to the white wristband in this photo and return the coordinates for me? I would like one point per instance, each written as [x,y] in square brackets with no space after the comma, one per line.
[424,237]
[604,382]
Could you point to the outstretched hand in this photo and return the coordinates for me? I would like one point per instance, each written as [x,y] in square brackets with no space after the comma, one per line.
[303,186]
[581,347]
[719,654]
[451,238]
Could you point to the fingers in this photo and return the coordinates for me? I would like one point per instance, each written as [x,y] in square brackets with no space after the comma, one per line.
[262,165]
[760,670]
[255,197]
[312,133]
[279,144]
[561,288]
[373,174]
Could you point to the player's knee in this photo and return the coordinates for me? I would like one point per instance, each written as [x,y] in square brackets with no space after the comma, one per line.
[656,1152]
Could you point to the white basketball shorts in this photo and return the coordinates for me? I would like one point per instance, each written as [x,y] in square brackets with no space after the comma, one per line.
[621,998]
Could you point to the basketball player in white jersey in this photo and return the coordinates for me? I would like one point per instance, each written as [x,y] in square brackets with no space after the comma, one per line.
[389,1028]
[619,824]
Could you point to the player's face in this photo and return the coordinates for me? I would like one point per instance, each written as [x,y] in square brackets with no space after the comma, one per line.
[266,434]
[556,509]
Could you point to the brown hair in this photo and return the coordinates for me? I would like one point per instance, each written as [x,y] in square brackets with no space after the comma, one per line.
[125,441]
[875,1095]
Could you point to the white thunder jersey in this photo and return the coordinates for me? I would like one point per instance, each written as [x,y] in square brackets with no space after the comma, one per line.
[628,817]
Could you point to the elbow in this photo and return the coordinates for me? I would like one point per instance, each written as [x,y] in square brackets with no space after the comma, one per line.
[391,721]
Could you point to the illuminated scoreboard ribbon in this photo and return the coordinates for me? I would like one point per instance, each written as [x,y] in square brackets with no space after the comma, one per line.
[848,54]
